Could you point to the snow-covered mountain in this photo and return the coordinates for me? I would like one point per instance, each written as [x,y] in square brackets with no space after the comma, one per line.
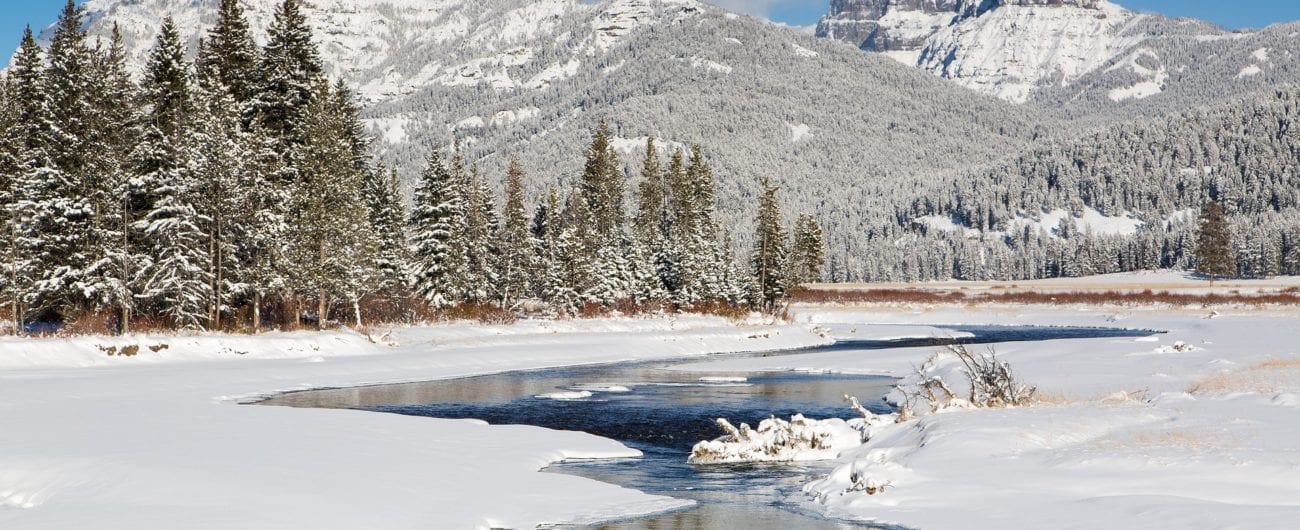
[394,47]
[1006,48]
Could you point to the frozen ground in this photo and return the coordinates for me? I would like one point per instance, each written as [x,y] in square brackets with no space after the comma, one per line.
[1139,433]
[158,440]
[1196,428]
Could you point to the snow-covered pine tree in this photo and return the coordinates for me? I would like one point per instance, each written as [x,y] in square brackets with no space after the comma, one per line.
[769,255]
[517,262]
[651,219]
[229,55]
[602,185]
[265,198]
[110,134]
[288,68]
[1214,253]
[436,223]
[25,208]
[480,248]
[9,173]
[218,153]
[67,230]
[175,280]
[545,228]
[807,252]
[331,242]
[388,224]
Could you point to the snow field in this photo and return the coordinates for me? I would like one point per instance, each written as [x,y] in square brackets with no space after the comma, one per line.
[1135,433]
[152,440]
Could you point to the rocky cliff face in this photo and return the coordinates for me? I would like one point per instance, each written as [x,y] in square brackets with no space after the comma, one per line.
[1006,48]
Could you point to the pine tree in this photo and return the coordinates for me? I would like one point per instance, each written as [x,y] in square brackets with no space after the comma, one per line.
[64,230]
[265,198]
[218,153]
[26,207]
[480,248]
[288,69]
[651,221]
[175,279]
[388,224]
[808,252]
[602,185]
[331,242]
[10,170]
[1214,256]
[435,226]
[229,57]
[110,135]
[515,268]
[768,258]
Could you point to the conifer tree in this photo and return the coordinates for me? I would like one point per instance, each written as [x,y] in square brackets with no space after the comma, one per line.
[602,185]
[807,252]
[66,216]
[27,210]
[175,279]
[229,55]
[218,152]
[1214,256]
[110,131]
[387,222]
[516,265]
[332,245]
[768,258]
[480,248]
[435,226]
[266,198]
[9,172]
[288,69]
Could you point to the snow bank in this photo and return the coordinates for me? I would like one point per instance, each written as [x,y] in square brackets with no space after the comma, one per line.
[777,440]
[1199,438]
[146,441]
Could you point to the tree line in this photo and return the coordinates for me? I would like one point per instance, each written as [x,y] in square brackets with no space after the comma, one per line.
[240,188]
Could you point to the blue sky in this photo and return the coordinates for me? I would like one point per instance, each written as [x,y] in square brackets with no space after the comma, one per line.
[14,14]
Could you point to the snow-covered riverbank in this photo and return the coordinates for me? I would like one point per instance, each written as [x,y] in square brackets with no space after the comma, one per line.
[157,440]
[1195,428]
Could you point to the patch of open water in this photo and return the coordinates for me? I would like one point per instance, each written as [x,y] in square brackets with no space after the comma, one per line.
[663,413]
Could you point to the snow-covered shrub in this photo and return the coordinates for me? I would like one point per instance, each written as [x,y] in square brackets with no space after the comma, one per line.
[992,384]
[777,440]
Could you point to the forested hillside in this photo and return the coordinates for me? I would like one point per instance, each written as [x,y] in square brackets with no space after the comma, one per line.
[1122,199]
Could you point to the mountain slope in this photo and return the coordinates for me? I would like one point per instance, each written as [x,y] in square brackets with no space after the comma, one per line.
[1007,48]
[843,131]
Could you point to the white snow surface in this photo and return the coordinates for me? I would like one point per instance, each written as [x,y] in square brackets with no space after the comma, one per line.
[1137,433]
[159,441]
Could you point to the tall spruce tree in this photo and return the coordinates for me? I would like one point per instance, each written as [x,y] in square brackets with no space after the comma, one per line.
[27,208]
[516,265]
[435,226]
[229,55]
[387,222]
[175,279]
[480,246]
[9,172]
[110,131]
[66,217]
[288,68]
[807,252]
[1214,255]
[265,197]
[332,245]
[769,255]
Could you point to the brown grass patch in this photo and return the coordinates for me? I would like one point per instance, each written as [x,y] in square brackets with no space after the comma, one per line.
[1147,297]
[1268,377]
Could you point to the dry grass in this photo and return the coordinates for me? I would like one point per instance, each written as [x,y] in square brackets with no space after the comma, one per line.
[1146,297]
[1268,377]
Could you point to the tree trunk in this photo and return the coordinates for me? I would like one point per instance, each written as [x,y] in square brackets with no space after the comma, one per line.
[320,310]
[356,311]
[257,313]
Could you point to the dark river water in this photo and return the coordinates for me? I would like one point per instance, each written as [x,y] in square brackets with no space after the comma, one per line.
[663,413]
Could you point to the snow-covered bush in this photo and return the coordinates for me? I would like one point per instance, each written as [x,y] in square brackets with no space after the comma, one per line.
[992,384]
[777,440]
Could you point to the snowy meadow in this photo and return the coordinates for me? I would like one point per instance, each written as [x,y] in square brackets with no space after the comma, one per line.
[1182,429]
